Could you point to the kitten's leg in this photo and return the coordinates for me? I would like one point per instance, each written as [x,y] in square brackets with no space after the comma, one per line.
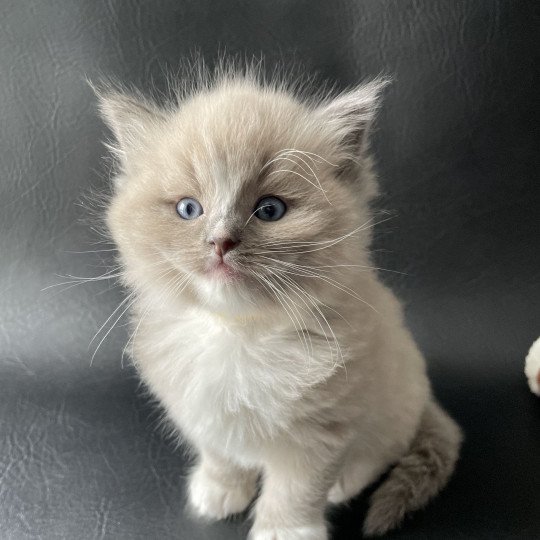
[354,477]
[293,499]
[219,488]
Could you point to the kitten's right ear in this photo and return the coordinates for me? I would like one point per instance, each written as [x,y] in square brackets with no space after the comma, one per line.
[130,117]
[350,116]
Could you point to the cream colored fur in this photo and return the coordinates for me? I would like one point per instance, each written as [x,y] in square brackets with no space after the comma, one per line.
[301,371]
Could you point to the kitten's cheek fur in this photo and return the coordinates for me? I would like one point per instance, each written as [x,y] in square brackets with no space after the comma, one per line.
[316,532]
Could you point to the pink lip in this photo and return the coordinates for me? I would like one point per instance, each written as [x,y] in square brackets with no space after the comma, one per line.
[222,270]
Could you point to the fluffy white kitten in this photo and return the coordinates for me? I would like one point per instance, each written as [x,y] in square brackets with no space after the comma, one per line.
[241,214]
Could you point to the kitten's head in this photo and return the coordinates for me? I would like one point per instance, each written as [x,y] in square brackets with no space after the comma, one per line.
[241,193]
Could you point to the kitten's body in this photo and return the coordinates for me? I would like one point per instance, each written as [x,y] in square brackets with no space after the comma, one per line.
[266,389]
[293,362]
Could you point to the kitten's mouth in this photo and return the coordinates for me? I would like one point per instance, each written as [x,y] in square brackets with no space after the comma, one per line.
[223,271]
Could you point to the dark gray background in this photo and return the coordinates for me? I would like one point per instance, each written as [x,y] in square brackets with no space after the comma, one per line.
[81,453]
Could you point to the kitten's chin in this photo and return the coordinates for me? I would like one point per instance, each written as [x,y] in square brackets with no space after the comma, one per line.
[225,289]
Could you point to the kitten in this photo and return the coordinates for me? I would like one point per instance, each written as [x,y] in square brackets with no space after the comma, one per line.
[242,219]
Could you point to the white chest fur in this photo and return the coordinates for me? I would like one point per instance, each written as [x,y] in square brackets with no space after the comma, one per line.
[226,384]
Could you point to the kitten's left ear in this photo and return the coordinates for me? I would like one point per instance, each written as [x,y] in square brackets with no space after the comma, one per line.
[350,117]
[130,117]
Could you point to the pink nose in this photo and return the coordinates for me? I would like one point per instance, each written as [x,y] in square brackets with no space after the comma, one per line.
[222,245]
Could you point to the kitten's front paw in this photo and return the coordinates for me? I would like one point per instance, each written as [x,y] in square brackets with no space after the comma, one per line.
[212,499]
[309,532]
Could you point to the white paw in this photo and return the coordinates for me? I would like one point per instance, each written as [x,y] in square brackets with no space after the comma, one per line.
[345,489]
[317,532]
[352,481]
[212,500]
[532,367]
[337,494]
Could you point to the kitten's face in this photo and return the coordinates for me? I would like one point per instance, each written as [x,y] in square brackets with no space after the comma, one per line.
[235,198]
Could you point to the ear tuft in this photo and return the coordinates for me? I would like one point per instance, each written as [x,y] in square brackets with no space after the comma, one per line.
[351,114]
[129,115]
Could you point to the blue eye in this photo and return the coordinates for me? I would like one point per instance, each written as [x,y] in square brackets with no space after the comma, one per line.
[270,209]
[189,208]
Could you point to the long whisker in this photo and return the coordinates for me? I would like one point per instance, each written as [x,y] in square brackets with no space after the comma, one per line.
[329,267]
[114,272]
[301,243]
[178,285]
[321,242]
[298,325]
[309,154]
[126,299]
[284,157]
[315,303]
[253,213]
[267,286]
[295,289]
[91,251]
[130,299]
[297,174]
[318,301]
[294,152]
[303,323]
[330,281]
[328,244]
[76,280]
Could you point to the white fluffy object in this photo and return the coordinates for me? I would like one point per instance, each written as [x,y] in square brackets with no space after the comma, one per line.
[532,367]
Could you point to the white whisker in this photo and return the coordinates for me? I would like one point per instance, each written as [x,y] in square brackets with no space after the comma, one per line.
[112,326]
[328,243]
[269,288]
[303,322]
[295,288]
[314,174]
[310,154]
[328,267]
[297,174]
[330,281]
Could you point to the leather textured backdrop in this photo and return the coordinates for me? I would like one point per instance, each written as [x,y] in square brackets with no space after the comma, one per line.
[81,453]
